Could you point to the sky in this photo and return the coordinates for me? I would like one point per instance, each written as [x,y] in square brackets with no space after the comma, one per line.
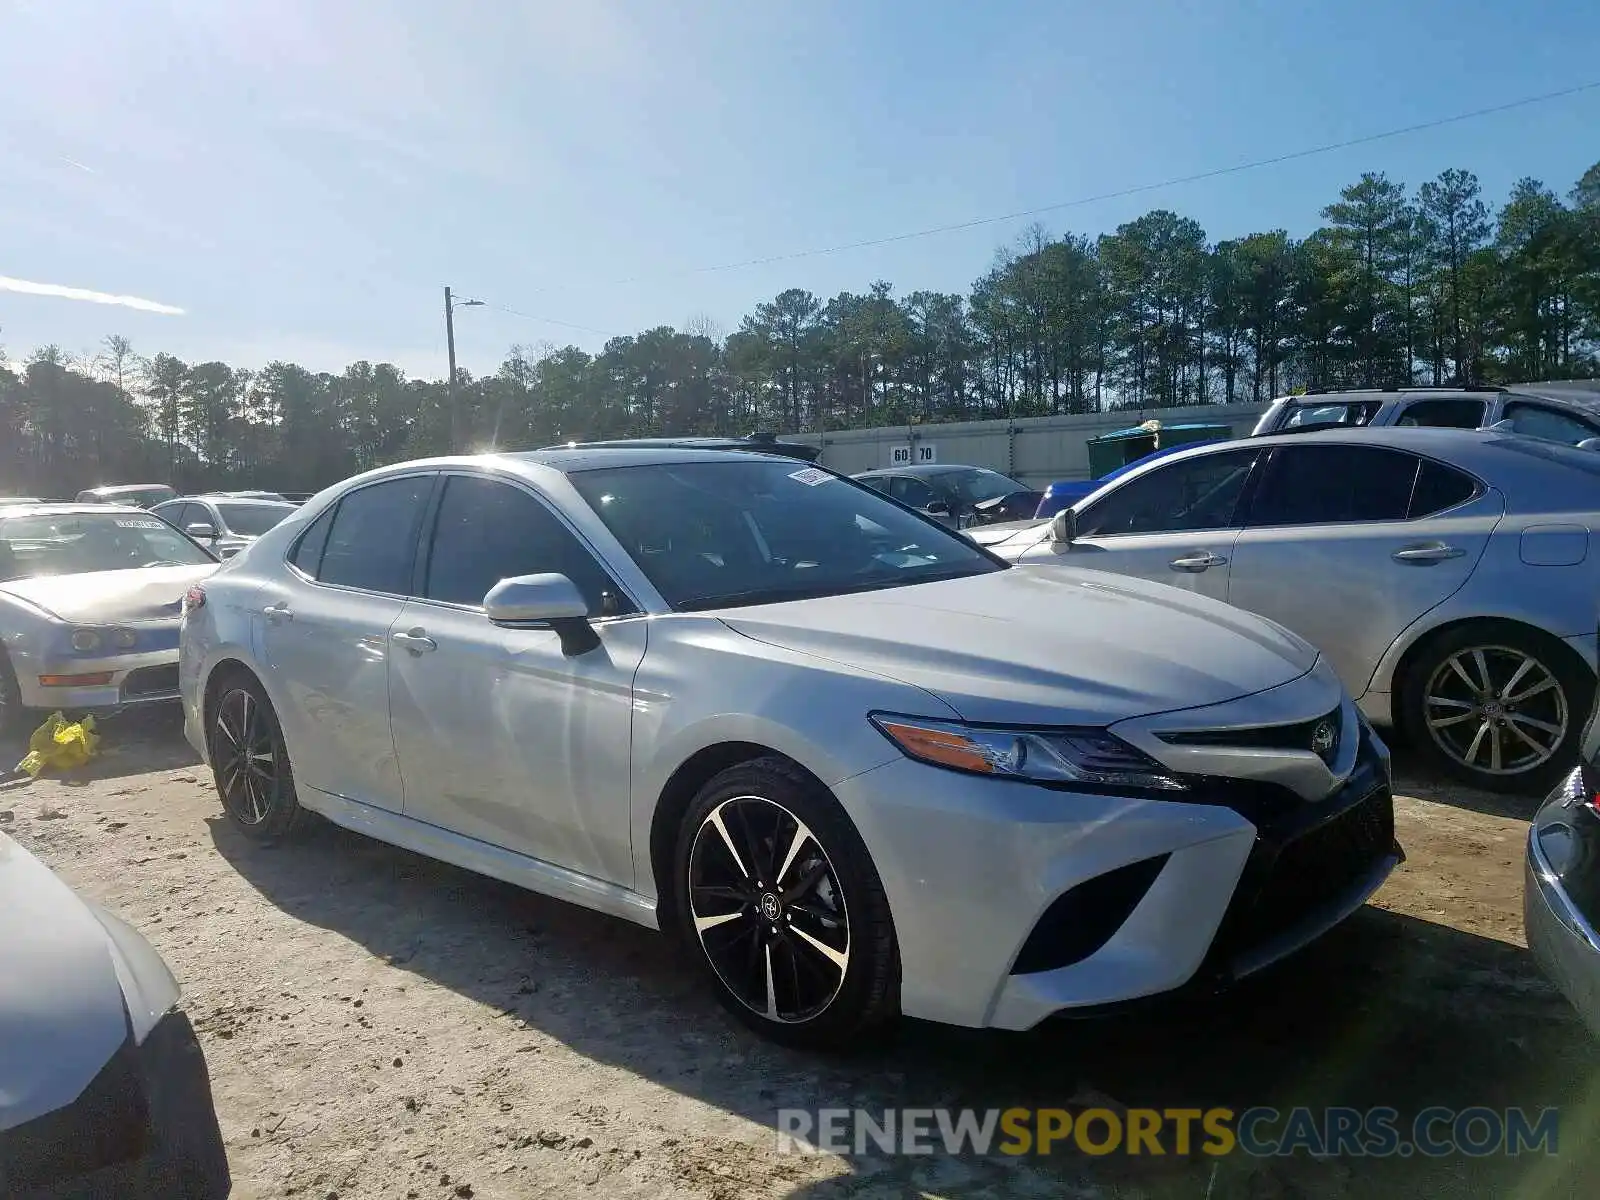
[250,180]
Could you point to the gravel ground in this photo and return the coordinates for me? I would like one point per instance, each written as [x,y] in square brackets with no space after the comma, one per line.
[380,1025]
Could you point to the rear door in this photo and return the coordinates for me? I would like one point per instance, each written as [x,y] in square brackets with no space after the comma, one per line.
[1348,545]
[324,635]
[1174,524]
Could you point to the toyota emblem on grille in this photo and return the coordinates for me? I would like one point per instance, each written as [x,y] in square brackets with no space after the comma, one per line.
[1323,737]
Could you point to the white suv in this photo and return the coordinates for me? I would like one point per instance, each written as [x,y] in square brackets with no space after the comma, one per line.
[1573,418]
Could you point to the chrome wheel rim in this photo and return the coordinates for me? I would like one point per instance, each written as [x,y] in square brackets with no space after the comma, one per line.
[766,905]
[1496,710]
[246,756]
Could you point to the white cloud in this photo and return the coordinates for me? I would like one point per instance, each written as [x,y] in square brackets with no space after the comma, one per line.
[29,288]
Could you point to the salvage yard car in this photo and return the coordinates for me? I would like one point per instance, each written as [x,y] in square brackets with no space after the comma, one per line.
[1451,576]
[1561,883]
[103,1087]
[856,765]
[90,600]
[1565,415]
[224,523]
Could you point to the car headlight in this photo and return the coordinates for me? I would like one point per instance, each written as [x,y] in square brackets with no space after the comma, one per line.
[85,640]
[1090,756]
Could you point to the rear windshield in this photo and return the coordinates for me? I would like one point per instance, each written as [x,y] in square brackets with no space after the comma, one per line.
[251,519]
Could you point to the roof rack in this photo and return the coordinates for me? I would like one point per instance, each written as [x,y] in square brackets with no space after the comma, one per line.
[1392,391]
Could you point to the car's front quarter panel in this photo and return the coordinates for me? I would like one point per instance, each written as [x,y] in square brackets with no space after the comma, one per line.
[220,632]
[702,685]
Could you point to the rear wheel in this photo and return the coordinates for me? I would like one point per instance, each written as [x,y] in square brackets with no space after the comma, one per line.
[1498,707]
[250,761]
[780,904]
[12,715]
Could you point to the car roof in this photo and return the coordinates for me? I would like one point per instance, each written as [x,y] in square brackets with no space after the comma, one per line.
[234,496]
[579,458]
[65,508]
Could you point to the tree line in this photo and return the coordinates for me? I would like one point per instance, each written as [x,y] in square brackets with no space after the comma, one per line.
[1396,287]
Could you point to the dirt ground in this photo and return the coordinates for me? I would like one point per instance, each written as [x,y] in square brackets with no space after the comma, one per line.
[380,1025]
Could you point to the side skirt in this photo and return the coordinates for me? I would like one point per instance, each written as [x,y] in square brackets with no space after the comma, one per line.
[470,854]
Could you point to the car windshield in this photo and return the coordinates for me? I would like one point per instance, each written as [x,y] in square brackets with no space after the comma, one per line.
[73,543]
[251,519]
[753,531]
[978,484]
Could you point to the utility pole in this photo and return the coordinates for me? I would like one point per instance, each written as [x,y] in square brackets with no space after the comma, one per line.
[450,384]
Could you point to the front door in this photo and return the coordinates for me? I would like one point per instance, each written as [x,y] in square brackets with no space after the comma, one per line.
[1348,545]
[501,735]
[1173,524]
[324,634]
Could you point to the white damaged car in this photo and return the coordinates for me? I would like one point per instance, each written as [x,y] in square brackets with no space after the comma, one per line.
[103,1088]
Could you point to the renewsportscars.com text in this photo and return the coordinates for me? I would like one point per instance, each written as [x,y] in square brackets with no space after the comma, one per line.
[1260,1132]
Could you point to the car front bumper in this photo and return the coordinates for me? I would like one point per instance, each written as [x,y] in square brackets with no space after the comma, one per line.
[1563,941]
[84,682]
[1014,902]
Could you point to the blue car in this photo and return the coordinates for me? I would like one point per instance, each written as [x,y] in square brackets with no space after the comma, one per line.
[1067,492]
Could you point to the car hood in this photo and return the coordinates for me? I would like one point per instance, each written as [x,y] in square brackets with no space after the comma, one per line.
[142,594]
[62,1009]
[993,535]
[1055,646]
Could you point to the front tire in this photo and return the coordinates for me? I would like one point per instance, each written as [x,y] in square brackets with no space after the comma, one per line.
[781,907]
[250,761]
[1498,707]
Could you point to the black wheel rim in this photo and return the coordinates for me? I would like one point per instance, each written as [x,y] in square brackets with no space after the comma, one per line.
[766,905]
[246,756]
[1497,710]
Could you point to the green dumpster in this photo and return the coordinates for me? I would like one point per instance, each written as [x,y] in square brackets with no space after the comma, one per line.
[1123,446]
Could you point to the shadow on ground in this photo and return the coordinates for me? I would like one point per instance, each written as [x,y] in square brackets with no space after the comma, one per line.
[1389,1010]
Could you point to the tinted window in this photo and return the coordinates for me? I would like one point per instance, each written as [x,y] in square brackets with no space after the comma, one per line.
[251,520]
[374,536]
[173,514]
[1328,485]
[308,553]
[753,531]
[1439,487]
[488,531]
[1550,424]
[1192,494]
[1309,416]
[911,491]
[1444,414]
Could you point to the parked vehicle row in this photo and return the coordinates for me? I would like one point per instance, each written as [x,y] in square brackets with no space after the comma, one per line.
[790,721]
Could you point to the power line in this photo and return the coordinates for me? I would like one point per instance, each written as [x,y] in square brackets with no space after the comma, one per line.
[550,320]
[1176,181]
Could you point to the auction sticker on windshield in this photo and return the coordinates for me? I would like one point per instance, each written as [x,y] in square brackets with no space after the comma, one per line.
[138,523]
[811,476]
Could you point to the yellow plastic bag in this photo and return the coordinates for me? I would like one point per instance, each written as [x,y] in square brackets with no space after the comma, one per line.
[58,745]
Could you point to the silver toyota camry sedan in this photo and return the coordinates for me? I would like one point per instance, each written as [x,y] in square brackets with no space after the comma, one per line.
[1452,577]
[855,764]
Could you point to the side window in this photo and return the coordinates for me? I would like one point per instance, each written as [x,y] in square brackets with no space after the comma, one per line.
[173,514]
[488,531]
[374,536]
[1551,424]
[914,492]
[1439,487]
[308,554]
[1333,485]
[1189,495]
[1444,414]
[880,483]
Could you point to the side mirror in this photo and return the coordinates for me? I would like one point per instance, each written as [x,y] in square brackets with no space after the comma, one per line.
[550,599]
[1589,444]
[1064,527]
[202,531]
[937,508]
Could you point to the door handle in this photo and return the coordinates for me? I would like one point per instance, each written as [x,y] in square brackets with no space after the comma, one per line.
[1422,556]
[416,640]
[278,612]
[1198,561]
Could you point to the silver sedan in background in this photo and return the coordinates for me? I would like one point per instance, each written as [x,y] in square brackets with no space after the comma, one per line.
[1452,577]
[224,523]
[90,598]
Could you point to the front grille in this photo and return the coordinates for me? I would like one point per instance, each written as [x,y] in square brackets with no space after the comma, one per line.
[151,681]
[1301,735]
